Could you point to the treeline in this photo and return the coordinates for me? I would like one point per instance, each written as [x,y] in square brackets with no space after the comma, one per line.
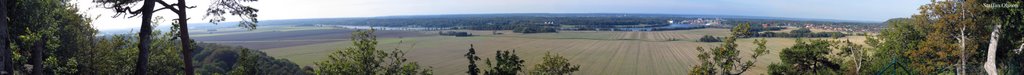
[869,26]
[534,29]
[753,28]
[484,21]
[221,59]
[455,33]
[798,33]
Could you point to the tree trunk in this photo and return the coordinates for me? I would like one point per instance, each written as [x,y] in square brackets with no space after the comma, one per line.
[6,64]
[37,56]
[186,45]
[963,52]
[857,57]
[144,37]
[990,61]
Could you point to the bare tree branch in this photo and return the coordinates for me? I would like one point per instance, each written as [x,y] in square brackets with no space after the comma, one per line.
[167,6]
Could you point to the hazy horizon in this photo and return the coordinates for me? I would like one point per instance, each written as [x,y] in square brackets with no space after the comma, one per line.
[855,10]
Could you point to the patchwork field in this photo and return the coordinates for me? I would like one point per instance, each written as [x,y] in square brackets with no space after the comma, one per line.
[598,52]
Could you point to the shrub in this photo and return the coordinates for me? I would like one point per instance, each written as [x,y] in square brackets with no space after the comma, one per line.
[708,38]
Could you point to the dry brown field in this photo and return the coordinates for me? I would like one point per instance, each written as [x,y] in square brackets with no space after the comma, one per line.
[598,52]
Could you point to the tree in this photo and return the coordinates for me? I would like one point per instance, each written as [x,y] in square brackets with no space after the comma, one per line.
[363,58]
[6,64]
[708,38]
[892,43]
[471,55]
[124,7]
[850,50]
[939,52]
[217,10]
[505,63]
[32,33]
[246,64]
[806,58]
[990,58]
[725,59]
[554,65]
[1009,23]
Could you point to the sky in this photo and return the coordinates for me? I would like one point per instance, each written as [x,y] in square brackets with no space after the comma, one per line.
[858,10]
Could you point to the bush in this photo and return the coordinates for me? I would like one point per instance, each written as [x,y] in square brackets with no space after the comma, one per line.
[364,58]
[455,33]
[554,65]
[505,63]
[708,38]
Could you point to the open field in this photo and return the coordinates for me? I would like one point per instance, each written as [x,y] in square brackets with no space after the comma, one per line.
[598,52]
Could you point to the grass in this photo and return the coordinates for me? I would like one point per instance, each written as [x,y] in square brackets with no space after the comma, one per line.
[598,52]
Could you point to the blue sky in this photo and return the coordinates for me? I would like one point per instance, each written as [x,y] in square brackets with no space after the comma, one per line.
[860,10]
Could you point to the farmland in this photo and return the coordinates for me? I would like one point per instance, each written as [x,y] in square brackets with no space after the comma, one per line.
[275,37]
[598,52]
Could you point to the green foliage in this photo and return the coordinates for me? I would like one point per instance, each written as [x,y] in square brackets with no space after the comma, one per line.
[554,65]
[724,59]
[112,54]
[891,44]
[363,58]
[1012,21]
[928,42]
[245,65]
[471,56]
[806,58]
[709,38]
[51,28]
[505,63]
